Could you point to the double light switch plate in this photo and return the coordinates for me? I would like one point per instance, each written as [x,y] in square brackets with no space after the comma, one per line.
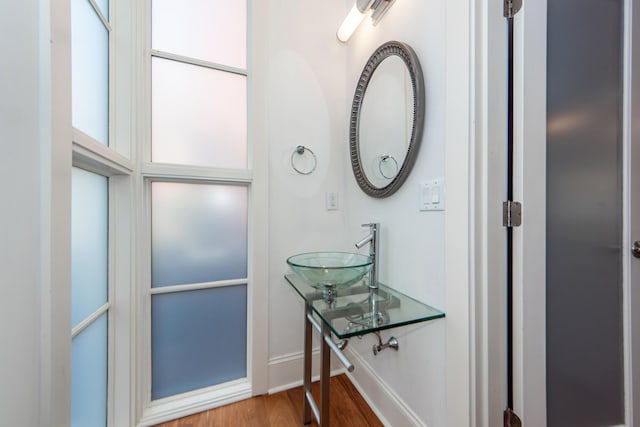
[432,195]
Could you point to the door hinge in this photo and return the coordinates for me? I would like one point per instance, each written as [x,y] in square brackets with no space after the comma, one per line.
[511,214]
[511,419]
[511,7]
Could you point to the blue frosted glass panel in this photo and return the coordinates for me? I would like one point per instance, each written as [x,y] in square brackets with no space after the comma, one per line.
[198,233]
[198,339]
[89,243]
[89,375]
[90,71]
[199,116]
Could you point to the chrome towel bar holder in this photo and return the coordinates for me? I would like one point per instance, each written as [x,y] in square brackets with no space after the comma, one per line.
[300,151]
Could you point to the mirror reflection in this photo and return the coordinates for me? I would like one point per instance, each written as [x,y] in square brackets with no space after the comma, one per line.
[385,121]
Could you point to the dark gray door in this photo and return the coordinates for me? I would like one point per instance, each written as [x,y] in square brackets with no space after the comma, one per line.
[584,288]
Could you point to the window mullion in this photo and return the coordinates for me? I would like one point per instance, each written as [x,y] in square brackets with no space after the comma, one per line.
[156,171]
[90,319]
[199,62]
[104,20]
[197,286]
[97,157]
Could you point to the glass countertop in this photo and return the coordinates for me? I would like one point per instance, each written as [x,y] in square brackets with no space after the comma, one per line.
[358,310]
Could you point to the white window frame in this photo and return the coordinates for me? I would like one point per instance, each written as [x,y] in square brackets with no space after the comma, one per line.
[254,177]
[114,162]
[91,156]
[64,148]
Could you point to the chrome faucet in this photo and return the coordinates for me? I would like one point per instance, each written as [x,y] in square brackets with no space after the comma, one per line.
[373,240]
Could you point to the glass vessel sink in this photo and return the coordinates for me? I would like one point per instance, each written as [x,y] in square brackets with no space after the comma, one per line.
[330,270]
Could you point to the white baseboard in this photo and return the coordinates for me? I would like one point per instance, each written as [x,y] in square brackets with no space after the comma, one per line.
[385,403]
[286,371]
[193,402]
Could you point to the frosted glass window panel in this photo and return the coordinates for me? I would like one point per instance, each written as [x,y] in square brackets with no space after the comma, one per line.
[198,339]
[89,375]
[89,243]
[199,116]
[90,71]
[211,30]
[198,234]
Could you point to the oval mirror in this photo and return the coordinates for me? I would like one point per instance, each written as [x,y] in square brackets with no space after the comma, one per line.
[387,118]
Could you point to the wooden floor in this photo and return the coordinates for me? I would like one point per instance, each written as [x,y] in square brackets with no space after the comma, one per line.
[284,409]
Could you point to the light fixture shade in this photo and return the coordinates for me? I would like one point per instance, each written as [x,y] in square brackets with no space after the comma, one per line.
[374,8]
[350,23]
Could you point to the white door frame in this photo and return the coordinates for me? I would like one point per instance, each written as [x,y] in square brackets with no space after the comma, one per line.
[490,63]
[491,186]
[529,247]
[258,326]
[631,272]
[529,240]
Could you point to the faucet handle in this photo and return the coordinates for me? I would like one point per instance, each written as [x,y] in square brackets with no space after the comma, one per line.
[371,225]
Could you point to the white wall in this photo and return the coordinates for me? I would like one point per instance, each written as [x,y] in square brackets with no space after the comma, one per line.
[305,105]
[412,242]
[19,216]
[308,96]
[35,169]
[310,93]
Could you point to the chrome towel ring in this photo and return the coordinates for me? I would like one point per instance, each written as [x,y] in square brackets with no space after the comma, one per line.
[300,151]
[391,162]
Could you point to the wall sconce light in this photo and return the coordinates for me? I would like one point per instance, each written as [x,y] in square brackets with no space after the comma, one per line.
[374,8]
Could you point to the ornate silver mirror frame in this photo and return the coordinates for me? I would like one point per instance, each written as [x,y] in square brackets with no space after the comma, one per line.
[408,56]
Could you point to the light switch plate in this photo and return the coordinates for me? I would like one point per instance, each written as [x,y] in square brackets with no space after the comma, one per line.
[432,194]
[331,201]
